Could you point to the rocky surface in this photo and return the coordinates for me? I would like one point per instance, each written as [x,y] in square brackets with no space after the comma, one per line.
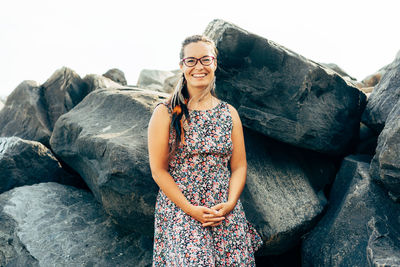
[1,104]
[95,82]
[116,75]
[384,97]
[346,231]
[385,166]
[153,79]
[283,196]
[282,94]
[339,71]
[24,162]
[104,138]
[171,82]
[49,224]
[25,114]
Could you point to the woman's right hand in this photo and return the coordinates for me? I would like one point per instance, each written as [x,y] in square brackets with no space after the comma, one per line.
[207,216]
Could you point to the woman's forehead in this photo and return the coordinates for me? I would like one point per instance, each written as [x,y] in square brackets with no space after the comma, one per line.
[198,49]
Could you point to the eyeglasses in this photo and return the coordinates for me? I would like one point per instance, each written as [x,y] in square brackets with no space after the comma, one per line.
[192,61]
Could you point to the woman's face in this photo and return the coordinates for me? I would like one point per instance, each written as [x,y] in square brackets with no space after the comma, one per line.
[198,76]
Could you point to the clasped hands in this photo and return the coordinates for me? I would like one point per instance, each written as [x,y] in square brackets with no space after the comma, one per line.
[211,216]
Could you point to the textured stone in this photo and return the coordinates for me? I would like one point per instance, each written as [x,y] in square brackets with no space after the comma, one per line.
[283,196]
[116,75]
[343,235]
[25,115]
[385,166]
[153,79]
[384,97]
[49,224]
[95,82]
[282,94]
[104,138]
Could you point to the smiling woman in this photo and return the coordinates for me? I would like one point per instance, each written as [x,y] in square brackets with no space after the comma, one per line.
[192,137]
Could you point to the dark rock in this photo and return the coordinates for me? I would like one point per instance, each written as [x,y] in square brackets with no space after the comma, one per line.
[116,75]
[342,236]
[384,243]
[385,166]
[104,138]
[95,82]
[49,224]
[283,196]
[1,104]
[62,91]
[25,114]
[384,97]
[338,70]
[282,94]
[25,162]
[367,141]
[153,79]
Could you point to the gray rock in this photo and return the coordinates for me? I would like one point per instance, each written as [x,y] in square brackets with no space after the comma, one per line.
[384,244]
[153,79]
[367,141]
[342,236]
[95,82]
[25,114]
[104,138]
[62,91]
[338,70]
[283,196]
[171,82]
[384,96]
[25,162]
[282,94]
[49,224]
[385,166]
[116,75]
[1,104]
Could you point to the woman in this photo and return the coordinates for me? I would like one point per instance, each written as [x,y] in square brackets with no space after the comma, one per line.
[192,137]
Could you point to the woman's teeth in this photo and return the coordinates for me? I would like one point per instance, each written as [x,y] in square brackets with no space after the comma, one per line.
[199,75]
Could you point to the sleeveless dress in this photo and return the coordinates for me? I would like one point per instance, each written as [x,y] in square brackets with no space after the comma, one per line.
[200,169]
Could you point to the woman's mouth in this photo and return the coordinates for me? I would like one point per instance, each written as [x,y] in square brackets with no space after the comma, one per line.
[199,75]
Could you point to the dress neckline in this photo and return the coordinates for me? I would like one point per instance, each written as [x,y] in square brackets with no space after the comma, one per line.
[202,110]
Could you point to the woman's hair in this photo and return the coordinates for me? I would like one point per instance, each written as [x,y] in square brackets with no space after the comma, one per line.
[179,99]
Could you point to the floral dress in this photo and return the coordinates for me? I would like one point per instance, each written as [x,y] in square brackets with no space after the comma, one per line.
[200,169]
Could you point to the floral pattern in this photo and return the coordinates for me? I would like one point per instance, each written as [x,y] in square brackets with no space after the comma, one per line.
[200,169]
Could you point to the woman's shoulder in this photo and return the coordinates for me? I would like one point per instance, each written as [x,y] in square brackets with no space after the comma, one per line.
[164,106]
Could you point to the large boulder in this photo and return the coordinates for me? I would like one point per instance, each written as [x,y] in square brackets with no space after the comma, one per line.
[283,196]
[153,79]
[49,224]
[31,110]
[384,96]
[284,95]
[385,166]
[25,114]
[346,235]
[62,91]
[25,162]
[95,82]
[1,104]
[116,75]
[104,138]
[171,82]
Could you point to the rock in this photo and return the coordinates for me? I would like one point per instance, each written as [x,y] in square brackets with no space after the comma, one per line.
[284,95]
[384,96]
[385,166]
[1,104]
[283,196]
[338,70]
[367,141]
[153,79]
[171,82]
[25,114]
[95,82]
[116,75]
[342,236]
[25,162]
[49,224]
[384,243]
[104,138]
[62,91]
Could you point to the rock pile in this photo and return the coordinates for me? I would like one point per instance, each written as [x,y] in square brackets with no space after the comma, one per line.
[77,189]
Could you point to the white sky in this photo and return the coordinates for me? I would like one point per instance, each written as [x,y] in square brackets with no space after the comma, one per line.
[37,37]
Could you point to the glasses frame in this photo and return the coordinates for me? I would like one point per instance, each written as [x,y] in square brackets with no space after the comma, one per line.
[197,60]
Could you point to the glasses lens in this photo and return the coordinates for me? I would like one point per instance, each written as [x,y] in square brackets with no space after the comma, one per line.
[207,60]
[190,61]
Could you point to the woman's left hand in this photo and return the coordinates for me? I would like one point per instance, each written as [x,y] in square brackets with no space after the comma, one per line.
[223,209]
